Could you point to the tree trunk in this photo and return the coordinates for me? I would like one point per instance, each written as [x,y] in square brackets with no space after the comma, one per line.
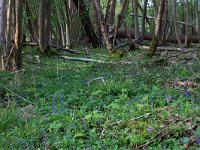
[120,19]
[2,31]
[111,13]
[48,20]
[42,27]
[103,27]
[60,23]
[144,20]
[68,23]
[136,22]
[175,24]
[187,21]
[86,22]
[197,19]
[18,35]
[158,28]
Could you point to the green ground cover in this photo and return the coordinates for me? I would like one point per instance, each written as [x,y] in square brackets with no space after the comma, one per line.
[60,104]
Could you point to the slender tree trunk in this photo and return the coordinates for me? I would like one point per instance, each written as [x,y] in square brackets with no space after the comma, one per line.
[42,27]
[175,24]
[158,28]
[68,23]
[32,23]
[120,17]
[2,31]
[48,20]
[136,22]
[103,27]
[111,13]
[18,36]
[60,23]
[144,20]
[197,18]
[187,22]
[9,23]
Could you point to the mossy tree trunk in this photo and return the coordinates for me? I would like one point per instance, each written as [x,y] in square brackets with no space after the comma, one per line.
[158,28]
[2,31]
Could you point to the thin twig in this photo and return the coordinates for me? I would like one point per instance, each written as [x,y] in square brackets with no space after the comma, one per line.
[15,93]
[99,78]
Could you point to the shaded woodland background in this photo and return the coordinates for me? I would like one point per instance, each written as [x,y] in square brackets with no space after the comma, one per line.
[64,24]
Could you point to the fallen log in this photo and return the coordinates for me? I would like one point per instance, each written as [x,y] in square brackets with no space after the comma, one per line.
[162,48]
[86,60]
[80,59]
[149,36]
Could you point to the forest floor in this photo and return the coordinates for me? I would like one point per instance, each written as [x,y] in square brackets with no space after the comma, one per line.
[56,104]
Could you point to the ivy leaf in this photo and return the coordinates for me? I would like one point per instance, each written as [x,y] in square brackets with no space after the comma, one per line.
[185,140]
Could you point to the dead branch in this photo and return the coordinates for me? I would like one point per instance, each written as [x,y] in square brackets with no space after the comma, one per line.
[66,49]
[162,48]
[99,78]
[86,60]
[80,59]
[165,134]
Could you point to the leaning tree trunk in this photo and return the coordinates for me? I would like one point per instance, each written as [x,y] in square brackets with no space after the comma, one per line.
[86,22]
[103,27]
[120,18]
[2,31]
[158,28]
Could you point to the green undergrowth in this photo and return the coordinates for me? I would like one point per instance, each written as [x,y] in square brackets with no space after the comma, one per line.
[56,104]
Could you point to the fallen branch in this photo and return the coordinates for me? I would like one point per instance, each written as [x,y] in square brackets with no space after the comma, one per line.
[6,88]
[162,48]
[163,135]
[86,60]
[66,49]
[99,78]
[133,119]
[80,59]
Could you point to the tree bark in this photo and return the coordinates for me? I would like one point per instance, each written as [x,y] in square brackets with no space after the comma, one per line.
[144,20]
[175,24]
[42,26]
[68,23]
[120,19]
[86,22]
[2,31]
[136,23]
[18,35]
[111,13]
[103,27]
[187,21]
[158,28]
